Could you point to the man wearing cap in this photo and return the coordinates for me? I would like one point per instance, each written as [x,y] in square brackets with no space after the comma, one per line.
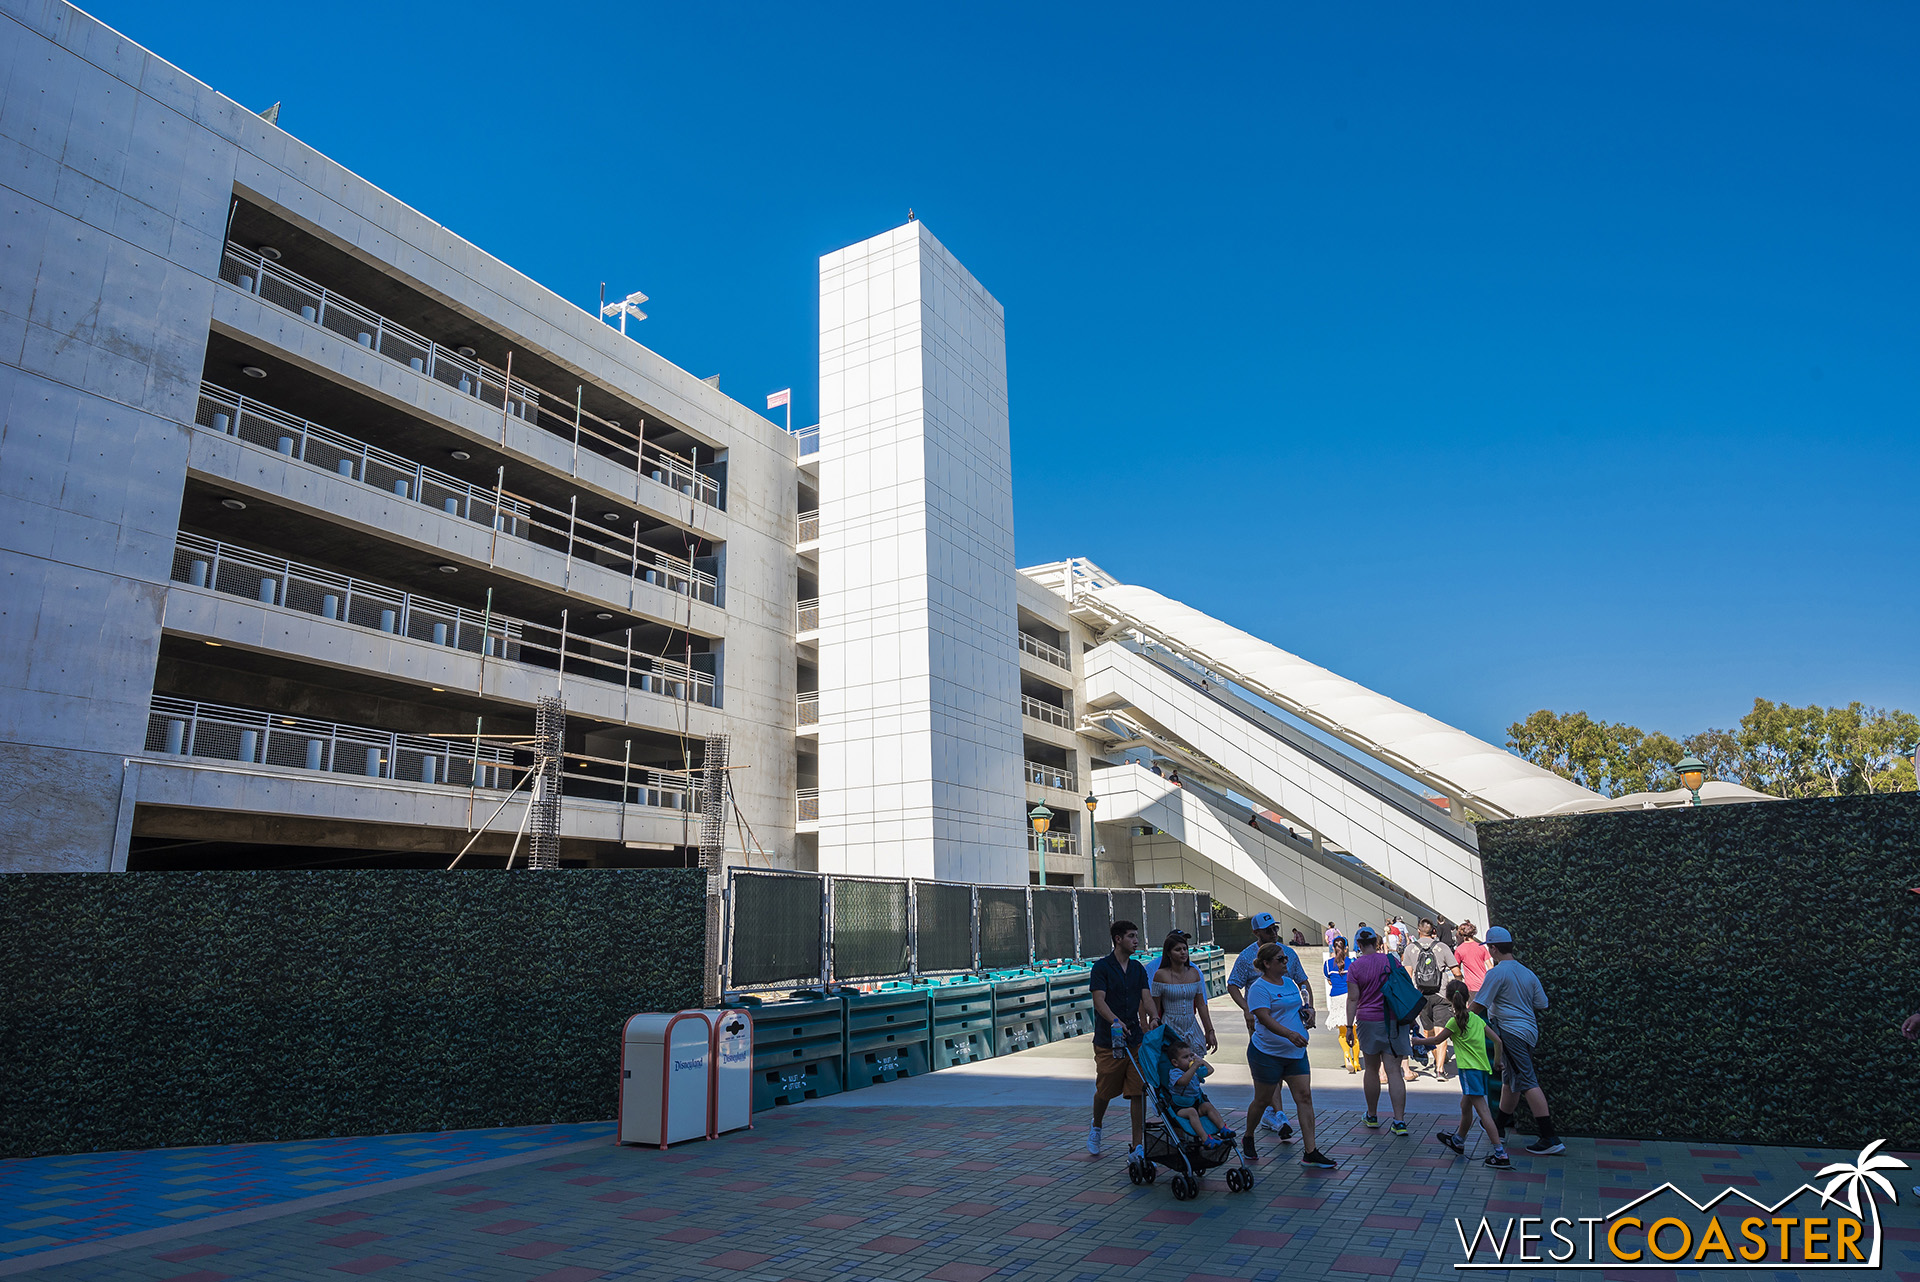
[1267,931]
[1510,1000]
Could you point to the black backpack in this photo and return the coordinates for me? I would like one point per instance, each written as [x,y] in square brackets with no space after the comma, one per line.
[1426,971]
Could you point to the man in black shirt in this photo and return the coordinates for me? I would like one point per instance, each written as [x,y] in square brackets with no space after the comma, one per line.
[1123,1006]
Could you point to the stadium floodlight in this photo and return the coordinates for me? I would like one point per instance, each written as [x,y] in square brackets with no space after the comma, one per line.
[628,306]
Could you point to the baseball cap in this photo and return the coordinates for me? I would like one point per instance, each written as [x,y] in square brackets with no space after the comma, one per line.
[1497,935]
[1262,921]
[1365,932]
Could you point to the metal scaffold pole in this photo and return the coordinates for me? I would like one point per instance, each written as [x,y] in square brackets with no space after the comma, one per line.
[550,743]
[713,851]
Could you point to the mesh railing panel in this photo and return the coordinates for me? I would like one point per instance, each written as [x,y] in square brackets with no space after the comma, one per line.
[1052,924]
[1186,915]
[944,926]
[1159,918]
[1003,927]
[869,928]
[1128,906]
[1096,914]
[1203,911]
[776,928]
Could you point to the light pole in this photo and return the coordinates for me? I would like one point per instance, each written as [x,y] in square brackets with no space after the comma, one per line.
[1042,819]
[1093,843]
[1693,773]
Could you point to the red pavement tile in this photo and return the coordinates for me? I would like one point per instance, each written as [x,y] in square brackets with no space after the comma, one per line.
[1635,1275]
[957,1272]
[200,1275]
[1724,1154]
[461,1190]
[1045,1232]
[1396,1222]
[736,1260]
[1099,1197]
[338,1217]
[345,1240]
[587,1180]
[915,1190]
[745,1186]
[510,1226]
[864,1177]
[572,1273]
[988,1208]
[820,1161]
[1114,1255]
[651,1213]
[1033,1181]
[534,1250]
[481,1208]
[1170,1217]
[704,1172]
[1514,1208]
[1431,1162]
[1260,1237]
[1317,1173]
[1031,1144]
[1609,1165]
[1727,1177]
[935,1153]
[976,1166]
[893,1244]
[676,1157]
[1413,1190]
[1380,1264]
[188,1253]
[618,1195]
[786,1202]
[783,1149]
[1525,1177]
[370,1264]
[689,1234]
[834,1222]
[1209,1277]
[564,1166]
[1298,1203]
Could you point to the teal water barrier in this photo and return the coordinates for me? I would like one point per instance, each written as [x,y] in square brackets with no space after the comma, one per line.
[1020,1011]
[963,1022]
[889,1034]
[799,1049]
[1069,1001]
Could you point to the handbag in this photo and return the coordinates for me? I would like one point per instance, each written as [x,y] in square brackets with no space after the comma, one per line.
[1404,1000]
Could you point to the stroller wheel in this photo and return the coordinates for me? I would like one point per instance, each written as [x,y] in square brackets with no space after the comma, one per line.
[1185,1188]
[1148,1172]
[1239,1179]
[1134,1172]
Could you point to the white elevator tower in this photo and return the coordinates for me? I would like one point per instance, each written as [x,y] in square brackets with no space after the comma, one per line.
[920,732]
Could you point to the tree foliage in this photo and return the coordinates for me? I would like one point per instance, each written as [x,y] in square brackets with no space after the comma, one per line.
[1776,748]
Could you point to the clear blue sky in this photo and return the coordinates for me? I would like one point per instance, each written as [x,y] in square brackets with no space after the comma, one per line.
[1496,356]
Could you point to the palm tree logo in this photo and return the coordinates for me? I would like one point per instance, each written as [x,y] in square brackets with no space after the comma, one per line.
[1858,1179]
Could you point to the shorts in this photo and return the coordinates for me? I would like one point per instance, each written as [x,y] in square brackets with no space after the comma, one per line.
[1473,1081]
[1439,1010]
[1377,1038]
[1269,1070]
[1516,1066]
[1114,1074]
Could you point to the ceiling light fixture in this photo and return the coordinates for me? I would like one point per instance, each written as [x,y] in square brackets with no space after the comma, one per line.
[233,505]
[467,352]
[253,371]
[609,516]
[603,617]
[214,644]
[449,569]
[269,252]
[460,456]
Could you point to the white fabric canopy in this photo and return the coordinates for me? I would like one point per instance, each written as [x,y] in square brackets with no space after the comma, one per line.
[1712,793]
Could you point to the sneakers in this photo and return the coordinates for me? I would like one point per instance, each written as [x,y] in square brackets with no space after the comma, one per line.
[1093,1140]
[1246,1147]
[1452,1141]
[1545,1147]
[1277,1123]
[1285,1132]
[1397,1126]
[1373,1123]
[1319,1159]
[1498,1161]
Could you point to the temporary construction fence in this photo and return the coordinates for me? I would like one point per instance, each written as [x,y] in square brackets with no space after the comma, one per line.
[784,928]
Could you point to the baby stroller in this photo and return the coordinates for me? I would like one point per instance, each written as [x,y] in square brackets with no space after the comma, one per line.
[1171,1140]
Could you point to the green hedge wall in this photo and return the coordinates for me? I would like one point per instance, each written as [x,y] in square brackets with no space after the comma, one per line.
[140,1010]
[1735,974]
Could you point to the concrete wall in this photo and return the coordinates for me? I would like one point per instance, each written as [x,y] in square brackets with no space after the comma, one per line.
[920,752]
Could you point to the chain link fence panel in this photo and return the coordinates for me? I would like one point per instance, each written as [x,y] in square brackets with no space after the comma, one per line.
[1130,905]
[1158,922]
[1003,928]
[1186,913]
[1053,924]
[870,928]
[1096,915]
[943,922]
[776,928]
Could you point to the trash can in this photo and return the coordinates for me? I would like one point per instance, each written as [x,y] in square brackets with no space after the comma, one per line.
[962,1022]
[1020,1011]
[666,1078]
[889,1035]
[799,1049]
[732,1071]
[1070,1001]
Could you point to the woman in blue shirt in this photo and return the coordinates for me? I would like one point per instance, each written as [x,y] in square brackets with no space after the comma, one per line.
[1277,1051]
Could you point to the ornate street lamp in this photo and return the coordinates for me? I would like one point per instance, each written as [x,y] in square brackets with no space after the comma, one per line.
[1693,773]
[1042,819]
[1093,843]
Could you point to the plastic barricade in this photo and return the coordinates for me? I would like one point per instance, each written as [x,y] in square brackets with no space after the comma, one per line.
[889,1035]
[1069,1002]
[1020,1011]
[799,1050]
[963,1023]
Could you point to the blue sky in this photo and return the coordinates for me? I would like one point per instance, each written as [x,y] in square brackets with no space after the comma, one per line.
[1499,357]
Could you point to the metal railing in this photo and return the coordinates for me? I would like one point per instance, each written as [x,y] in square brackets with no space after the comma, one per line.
[1041,650]
[1052,776]
[1056,843]
[806,805]
[1040,710]
[236,571]
[232,414]
[809,526]
[514,397]
[807,615]
[249,736]
[809,440]
[807,708]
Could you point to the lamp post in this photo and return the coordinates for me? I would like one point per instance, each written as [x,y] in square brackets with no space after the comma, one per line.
[1093,843]
[1042,819]
[1693,773]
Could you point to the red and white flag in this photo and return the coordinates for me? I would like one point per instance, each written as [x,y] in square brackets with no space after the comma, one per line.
[780,398]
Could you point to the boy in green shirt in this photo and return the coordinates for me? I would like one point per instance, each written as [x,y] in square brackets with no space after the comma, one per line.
[1476,1049]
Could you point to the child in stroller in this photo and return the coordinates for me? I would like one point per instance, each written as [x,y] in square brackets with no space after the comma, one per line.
[1187,1070]
[1181,1137]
